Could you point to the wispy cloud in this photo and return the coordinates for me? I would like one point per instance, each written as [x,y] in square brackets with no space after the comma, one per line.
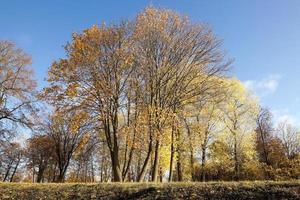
[265,86]
[284,115]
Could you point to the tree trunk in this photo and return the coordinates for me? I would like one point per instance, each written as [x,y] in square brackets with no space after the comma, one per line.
[156,162]
[191,151]
[144,168]
[54,173]
[14,172]
[203,162]
[62,171]
[7,171]
[172,157]
[61,177]
[40,174]
[236,162]
[146,162]
[132,149]
[160,175]
[117,174]
[179,168]
[179,165]
[93,171]
[203,159]
[126,169]
[192,164]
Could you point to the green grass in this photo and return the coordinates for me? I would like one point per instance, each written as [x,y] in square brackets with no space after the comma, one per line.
[211,190]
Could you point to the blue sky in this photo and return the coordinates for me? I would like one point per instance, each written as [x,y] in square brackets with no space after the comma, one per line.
[262,36]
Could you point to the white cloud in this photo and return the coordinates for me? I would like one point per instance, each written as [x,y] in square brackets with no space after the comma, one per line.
[284,115]
[268,86]
[265,86]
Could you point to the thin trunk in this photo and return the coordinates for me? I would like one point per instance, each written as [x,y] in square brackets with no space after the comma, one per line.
[33,172]
[142,174]
[236,161]
[14,172]
[264,147]
[172,157]
[138,167]
[40,174]
[7,171]
[203,158]
[191,150]
[192,164]
[116,168]
[54,173]
[179,167]
[156,162]
[92,168]
[132,149]
[179,164]
[125,171]
[146,163]
[62,171]
[203,162]
[160,175]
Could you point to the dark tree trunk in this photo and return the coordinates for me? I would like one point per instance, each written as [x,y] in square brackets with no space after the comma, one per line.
[236,162]
[203,158]
[146,162]
[179,168]
[40,174]
[60,178]
[156,162]
[171,158]
[15,170]
[117,174]
[203,162]
[7,171]
[179,165]
[160,175]
[62,171]
[191,151]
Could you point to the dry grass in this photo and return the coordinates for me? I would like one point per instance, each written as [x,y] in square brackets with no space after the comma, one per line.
[211,190]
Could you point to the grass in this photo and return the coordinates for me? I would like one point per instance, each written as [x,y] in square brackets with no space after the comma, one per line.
[210,190]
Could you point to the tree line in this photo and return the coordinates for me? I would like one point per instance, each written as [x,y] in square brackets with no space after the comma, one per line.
[148,99]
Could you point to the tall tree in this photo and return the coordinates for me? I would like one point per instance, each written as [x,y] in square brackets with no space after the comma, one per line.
[40,153]
[239,115]
[68,131]
[264,134]
[290,137]
[17,88]
[94,78]
[10,161]
[177,60]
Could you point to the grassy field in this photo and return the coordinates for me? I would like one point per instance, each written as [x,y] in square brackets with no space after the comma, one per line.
[212,190]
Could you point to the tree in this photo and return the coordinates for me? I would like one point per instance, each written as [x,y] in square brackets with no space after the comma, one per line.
[83,162]
[134,66]
[17,88]
[68,132]
[177,60]
[290,137]
[94,78]
[264,132]
[239,115]
[10,161]
[40,154]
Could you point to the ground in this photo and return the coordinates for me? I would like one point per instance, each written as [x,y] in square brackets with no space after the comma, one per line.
[211,190]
